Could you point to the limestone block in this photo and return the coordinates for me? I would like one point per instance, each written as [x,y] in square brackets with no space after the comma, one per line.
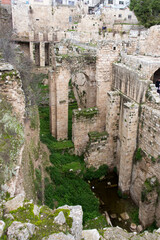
[92,234]
[76,214]
[21,231]
[2,225]
[14,203]
[124,216]
[60,219]
[59,236]
[36,210]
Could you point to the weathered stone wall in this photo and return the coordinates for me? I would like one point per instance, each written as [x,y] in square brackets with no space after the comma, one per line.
[98,151]
[149,42]
[112,123]
[41,18]
[59,80]
[84,86]
[11,125]
[105,57]
[128,133]
[129,82]
[146,165]
[84,121]
[149,130]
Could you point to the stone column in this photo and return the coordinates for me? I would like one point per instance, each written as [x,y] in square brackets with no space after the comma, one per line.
[32,51]
[59,80]
[42,54]
[112,123]
[129,124]
[31,35]
[52,103]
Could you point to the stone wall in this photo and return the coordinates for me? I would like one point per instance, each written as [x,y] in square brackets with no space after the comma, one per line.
[127,139]
[84,121]
[105,57]
[112,123]
[129,82]
[98,151]
[146,165]
[11,125]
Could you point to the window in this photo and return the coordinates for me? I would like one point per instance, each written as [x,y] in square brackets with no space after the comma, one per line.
[110,1]
[129,16]
[120,15]
[121,2]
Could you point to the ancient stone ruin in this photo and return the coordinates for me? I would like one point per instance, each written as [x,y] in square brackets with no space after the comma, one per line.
[117,122]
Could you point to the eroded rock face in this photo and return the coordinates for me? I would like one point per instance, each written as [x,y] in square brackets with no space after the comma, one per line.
[77,215]
[90,234]
[2,225]
[14,203]
[21,231]
[12,105]
[59,236]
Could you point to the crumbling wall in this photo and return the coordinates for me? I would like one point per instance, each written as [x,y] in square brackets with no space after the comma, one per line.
[84,121]
[11,125]
[146,165]
[98,150]
[105,57]
[127,140]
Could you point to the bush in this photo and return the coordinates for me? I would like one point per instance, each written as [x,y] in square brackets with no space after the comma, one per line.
[147,11]
[92,173]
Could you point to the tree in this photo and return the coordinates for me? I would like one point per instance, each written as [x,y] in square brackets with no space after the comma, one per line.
[147,11]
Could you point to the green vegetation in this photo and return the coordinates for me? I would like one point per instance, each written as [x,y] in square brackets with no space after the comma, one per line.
[152,227]
[149,185]
[45,218]
[138,155]
[87,113]
[72,105]
[93,136]
[134,215]
[147,11]
[11,141]
[38,184]
[92,173]
[99,223]
[65,185]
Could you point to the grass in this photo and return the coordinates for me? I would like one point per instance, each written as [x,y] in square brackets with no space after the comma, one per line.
[65,187]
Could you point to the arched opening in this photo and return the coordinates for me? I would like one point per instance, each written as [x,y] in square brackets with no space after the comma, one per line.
[156,76]
[156,79]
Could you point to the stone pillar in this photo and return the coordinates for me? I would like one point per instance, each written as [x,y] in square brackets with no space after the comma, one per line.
[42,54]
[50,36]
[40,36]
[112,123]
[52,103]
[106,56]
[31,35]
[129,123]
[32,51]
[59,80]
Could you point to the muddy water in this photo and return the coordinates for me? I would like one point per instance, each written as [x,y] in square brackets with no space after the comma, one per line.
[106,191]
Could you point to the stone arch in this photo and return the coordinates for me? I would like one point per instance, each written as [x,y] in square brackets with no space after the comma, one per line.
[156,75]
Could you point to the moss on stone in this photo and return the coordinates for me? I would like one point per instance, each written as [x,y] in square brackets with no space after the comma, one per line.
[149,185]
[93,136]
[44,222]
[11,140]
[87,112]
[11,74]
